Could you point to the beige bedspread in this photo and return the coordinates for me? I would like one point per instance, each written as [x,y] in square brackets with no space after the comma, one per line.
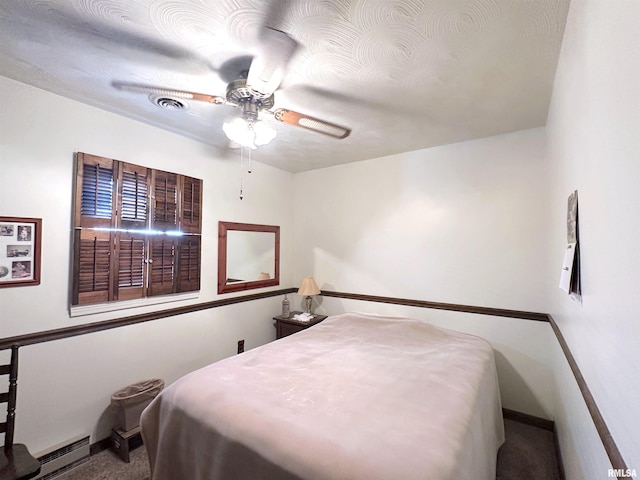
[354,397]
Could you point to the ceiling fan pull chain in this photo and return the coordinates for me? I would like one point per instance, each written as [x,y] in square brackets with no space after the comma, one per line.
[249,160]
[241,170]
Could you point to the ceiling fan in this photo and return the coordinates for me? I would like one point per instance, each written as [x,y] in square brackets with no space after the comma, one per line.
[253,93]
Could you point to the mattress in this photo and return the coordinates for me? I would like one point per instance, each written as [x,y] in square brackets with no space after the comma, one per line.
[354,397]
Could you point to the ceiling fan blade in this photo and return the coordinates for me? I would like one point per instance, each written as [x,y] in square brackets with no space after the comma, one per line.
[276,12]
[68,26]
[311,123]
[274,50]
[140,88]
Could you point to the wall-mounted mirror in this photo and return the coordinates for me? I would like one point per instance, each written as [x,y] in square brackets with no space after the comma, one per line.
[248,256]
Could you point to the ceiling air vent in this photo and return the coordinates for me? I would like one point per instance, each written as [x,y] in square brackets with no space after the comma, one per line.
[168,103]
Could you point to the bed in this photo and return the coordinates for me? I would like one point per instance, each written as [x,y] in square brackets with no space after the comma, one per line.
[354,397]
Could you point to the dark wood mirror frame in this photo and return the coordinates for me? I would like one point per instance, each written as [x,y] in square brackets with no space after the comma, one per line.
[223,285]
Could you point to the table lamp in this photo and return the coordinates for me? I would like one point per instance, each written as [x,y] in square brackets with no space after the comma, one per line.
[308,288]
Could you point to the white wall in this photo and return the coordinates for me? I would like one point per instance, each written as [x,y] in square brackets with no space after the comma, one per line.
[433,224]
[65,386]
[594,145]
[464,223]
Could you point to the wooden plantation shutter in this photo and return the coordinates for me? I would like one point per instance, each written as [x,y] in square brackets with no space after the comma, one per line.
[191,218]
[92,267]
[174,264]
[189,245]
[133,196]
[136,231]
[131,248]
[189,263]
[165,193]
[95,191]
[131,254]
[162,265]
[94,208]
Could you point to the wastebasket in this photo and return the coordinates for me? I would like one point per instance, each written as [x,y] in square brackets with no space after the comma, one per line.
[130,401]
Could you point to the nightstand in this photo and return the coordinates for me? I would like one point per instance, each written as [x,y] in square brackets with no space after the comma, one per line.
[289,326]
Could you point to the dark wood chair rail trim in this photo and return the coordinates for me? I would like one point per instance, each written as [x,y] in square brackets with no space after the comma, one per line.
[608,442]
[84,329]
[496,312]
[60,333]
[615,457]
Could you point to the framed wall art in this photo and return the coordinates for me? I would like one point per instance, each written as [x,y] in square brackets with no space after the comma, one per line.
[20,241]
[570,276]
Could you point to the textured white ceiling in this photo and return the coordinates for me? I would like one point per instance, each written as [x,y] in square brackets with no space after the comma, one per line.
[402,74]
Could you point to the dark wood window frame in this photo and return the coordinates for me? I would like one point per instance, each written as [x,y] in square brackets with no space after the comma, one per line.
[136,232]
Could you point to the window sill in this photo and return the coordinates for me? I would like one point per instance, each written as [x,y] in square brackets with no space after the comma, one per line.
[82,310]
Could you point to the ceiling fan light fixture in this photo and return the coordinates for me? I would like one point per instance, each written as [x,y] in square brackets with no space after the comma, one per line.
[264,133]
[248,134]
[238,131]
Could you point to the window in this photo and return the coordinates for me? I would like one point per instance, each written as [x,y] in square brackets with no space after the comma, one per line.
[136,231]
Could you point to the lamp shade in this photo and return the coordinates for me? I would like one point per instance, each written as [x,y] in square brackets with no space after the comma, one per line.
[308,287]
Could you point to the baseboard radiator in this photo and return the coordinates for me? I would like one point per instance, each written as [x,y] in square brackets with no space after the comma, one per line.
[63,457]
